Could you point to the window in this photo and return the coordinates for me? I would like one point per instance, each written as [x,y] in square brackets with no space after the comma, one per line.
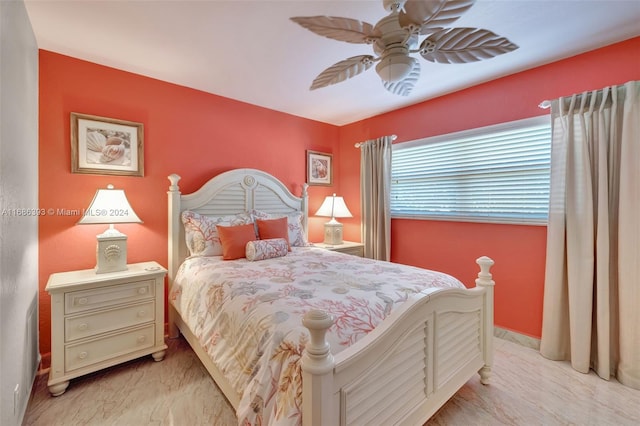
[492,174]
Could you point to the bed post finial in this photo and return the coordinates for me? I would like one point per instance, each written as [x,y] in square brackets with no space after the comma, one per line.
[317,370]
[317,358]
[174,178]
[485,281]
[484,276]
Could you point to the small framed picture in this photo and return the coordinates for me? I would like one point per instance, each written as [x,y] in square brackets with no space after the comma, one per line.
[319,168]
[106,146]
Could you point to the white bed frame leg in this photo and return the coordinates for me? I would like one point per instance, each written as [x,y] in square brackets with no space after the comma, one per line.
[485,280]
[317,371]
[173,196]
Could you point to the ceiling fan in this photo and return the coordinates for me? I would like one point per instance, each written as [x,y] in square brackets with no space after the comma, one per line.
[395,38]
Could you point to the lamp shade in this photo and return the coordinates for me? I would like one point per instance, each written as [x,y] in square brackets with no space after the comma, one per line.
[109,206]
[334,207]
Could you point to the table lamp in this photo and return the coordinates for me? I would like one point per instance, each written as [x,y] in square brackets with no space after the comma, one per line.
[333,207]
[110,206]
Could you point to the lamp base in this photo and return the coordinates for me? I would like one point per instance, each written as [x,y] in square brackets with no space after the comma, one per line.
[111,252]
[333,233]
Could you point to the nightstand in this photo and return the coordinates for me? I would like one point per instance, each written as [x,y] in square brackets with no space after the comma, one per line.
[349,247]
[100,320]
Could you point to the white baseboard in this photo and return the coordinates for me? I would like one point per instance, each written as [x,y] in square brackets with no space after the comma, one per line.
[521,339]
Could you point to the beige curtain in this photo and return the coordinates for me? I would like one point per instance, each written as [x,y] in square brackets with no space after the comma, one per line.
[591,310]
[375,189]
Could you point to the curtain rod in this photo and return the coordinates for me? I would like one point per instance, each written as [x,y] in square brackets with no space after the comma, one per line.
[359,144]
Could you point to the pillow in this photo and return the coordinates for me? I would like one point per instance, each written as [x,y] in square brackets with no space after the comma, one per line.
[266,249]
[201,234]
[294,223]
[234,240]
[273,228]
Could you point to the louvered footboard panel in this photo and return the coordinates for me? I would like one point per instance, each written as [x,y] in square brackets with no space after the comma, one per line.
[457,343]
[394,386]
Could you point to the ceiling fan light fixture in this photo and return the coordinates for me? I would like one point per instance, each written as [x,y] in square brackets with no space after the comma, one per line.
[395,67]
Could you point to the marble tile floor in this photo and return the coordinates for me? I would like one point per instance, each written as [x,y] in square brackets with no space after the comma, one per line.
[526,389]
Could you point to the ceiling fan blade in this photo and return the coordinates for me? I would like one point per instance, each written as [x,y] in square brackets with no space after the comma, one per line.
[404,86]
[432,15]
[463,45]
[343,70]
[342,29]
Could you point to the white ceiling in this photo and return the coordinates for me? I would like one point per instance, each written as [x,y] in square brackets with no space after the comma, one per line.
[252,52]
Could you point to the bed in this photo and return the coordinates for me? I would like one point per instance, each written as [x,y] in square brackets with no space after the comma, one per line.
[425,344]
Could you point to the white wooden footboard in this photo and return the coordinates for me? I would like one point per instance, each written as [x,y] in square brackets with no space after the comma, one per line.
[407,368]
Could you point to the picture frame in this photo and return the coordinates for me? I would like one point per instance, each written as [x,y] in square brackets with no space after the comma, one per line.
[319,168]
[106,146]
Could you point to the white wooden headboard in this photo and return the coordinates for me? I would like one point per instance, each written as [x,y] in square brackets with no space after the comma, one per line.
[232,192]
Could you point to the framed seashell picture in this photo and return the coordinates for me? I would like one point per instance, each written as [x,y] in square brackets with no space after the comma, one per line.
[319,168]
[106,146]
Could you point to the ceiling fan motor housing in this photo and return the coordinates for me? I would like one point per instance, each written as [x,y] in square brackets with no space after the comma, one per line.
[393,47]
[391,34]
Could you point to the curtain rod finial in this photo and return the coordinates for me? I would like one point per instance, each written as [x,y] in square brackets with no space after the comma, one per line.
[359,144]
[544,104]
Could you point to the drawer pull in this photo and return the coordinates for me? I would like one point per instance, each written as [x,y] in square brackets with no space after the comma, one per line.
[142,313]
[82,301]
[83,326]
[82,355]
[142,290]
[141,339]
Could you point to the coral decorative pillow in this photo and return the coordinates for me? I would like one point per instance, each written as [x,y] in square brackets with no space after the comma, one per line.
[297,237]
[201,234]
[266,249]
[234,240]
[273,228]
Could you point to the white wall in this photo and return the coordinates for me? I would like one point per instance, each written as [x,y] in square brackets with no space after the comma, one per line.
[18,190]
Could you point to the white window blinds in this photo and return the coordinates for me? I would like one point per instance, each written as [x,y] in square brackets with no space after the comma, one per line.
[496,174]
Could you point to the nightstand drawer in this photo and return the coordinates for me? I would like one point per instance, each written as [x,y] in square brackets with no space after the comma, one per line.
[95,323]
[79,301]
[95,351]
[347,247]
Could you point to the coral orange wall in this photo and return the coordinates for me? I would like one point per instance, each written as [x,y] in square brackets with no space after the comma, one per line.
[198,135]
[519,251]
[188,132]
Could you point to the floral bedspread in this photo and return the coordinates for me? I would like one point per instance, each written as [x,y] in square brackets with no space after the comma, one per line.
[248,316]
